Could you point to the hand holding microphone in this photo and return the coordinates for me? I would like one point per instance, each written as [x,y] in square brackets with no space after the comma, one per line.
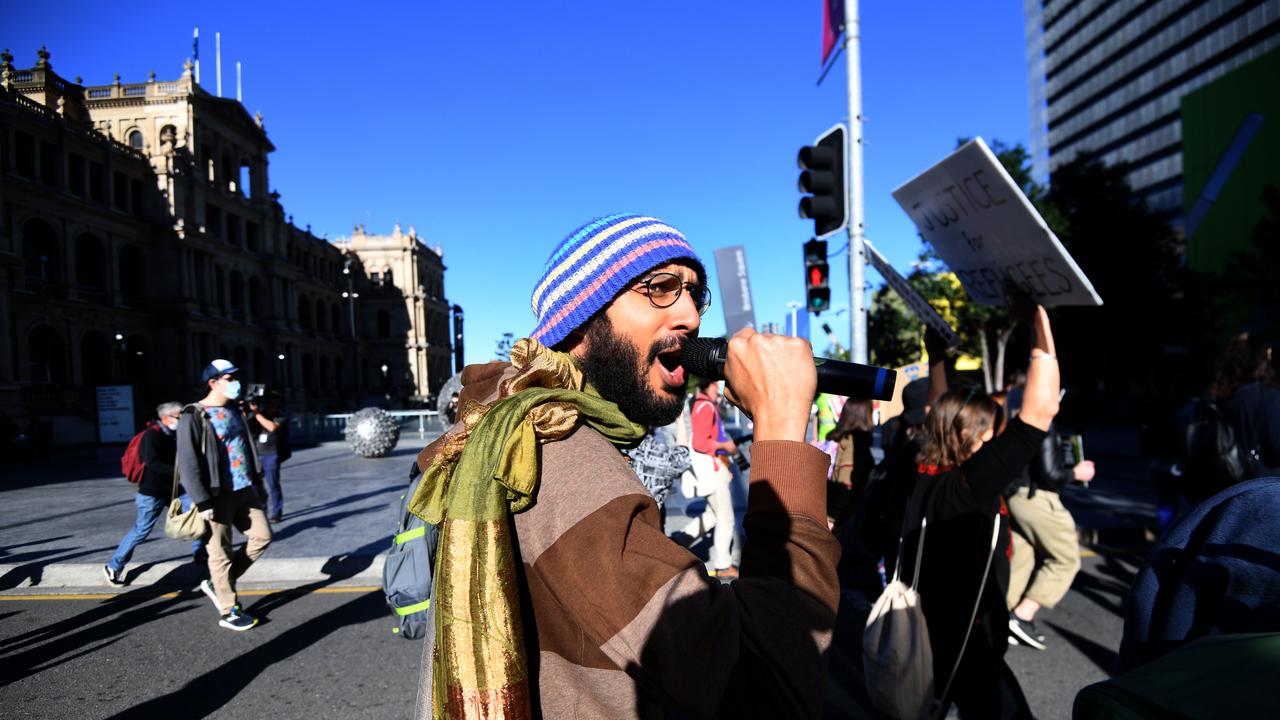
[706,357]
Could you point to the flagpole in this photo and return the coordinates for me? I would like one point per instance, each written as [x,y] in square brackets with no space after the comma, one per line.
[195,47]
[857,260]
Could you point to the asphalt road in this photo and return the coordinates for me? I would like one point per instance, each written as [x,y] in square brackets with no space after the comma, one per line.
[315,655]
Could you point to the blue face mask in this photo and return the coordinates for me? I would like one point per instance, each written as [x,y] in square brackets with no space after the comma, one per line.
[232,390]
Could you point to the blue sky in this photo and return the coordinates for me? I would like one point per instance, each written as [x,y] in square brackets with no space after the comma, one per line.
[496,128]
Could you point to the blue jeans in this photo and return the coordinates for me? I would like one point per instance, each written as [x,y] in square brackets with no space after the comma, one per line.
[150,509]
[271,476]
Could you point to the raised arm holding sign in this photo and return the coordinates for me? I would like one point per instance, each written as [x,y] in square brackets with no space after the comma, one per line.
[987,231]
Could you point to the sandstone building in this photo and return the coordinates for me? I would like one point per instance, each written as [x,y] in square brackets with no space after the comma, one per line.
[140,237]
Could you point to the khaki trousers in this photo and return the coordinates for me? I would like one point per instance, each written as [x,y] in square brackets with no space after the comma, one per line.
[243,511]
[1044,534]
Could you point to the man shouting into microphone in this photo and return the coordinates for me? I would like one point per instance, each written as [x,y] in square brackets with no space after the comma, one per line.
[556,593]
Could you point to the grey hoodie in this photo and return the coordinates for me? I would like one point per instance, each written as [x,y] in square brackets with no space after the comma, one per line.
[198,453]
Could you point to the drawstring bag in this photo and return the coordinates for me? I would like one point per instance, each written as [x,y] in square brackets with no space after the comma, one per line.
[897,658]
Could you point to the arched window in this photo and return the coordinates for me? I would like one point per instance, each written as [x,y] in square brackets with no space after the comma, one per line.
[337,373]
[335,322]
[135,360]
[321,316]
[255,297]
[90,263]
[386,277]
[237,291]
[304,312]
[132,270]
[135,139]
[41,260]
[47,356]
[220,286]
[384,324]
[308,371]
[95,359]
[324,372]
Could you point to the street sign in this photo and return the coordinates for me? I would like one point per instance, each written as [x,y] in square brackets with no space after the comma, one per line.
[735,288]
[914,300]
[986,231]
[115,413]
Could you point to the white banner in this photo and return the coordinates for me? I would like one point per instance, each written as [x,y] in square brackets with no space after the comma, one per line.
[986,230]
[115,413]
[914,300]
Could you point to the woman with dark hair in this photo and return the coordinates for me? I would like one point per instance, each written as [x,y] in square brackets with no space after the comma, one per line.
[853,461]
[1254,405]
[961,474]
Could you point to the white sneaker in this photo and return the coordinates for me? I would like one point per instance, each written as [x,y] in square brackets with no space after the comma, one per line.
[207,588]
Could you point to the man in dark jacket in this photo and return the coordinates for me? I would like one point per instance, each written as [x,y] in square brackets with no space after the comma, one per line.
[156,450]
[219,468]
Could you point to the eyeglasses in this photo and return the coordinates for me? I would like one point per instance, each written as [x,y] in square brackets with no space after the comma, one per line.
[664,289]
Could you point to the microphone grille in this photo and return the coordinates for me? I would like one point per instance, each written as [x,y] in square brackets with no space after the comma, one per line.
[701,356]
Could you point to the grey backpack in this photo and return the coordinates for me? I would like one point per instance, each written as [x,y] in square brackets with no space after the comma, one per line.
[406,576]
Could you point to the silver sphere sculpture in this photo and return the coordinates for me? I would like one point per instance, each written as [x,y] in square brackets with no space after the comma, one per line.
[372,432]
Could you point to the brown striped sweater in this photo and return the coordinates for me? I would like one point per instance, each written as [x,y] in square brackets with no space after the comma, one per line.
[622,622]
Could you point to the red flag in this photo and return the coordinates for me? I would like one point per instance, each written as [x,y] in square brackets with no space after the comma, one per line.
[832,24]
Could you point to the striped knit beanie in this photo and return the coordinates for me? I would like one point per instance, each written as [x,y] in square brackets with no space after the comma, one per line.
[595,263]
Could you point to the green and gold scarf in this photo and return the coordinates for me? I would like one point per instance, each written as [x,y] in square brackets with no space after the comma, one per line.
[479,477]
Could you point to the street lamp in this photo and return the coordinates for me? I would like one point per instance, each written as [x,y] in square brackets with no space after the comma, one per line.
[350,296]
[280,357]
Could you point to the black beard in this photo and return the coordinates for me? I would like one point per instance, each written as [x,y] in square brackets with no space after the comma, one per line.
[620,375]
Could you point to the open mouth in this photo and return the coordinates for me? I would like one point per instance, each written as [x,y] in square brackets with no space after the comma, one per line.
[672,371]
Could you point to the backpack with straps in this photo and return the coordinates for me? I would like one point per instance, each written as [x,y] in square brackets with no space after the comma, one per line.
[897,657]
[410,566]
[1212,454]
[131,465]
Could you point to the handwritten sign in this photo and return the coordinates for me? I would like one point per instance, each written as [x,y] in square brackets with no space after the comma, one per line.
[986,231]
[913,299]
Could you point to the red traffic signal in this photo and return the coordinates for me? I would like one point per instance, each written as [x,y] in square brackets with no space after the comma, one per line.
[816,275]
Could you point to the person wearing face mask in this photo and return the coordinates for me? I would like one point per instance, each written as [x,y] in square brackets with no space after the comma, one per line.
[219,468]
[156,450]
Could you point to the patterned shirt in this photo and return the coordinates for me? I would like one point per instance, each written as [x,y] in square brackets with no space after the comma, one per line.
[233,462]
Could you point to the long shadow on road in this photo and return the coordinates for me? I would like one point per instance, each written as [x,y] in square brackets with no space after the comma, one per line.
[212,690]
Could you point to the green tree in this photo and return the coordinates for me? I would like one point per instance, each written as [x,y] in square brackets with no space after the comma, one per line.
[894,329]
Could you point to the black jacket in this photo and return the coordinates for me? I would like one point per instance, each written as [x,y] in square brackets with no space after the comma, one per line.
[157,451]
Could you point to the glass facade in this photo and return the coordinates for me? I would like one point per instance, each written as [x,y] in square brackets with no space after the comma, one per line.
[1108,76]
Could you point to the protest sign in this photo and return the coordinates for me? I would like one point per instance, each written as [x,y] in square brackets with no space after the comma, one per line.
[986,231]
[913,299]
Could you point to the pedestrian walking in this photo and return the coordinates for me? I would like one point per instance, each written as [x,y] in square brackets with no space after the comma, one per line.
[1046,548]
[557,595]
[218,466]
[712,447]
[269,429]
[157,449]
[963,469]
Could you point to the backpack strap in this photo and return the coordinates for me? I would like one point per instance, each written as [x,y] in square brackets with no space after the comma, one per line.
[995,536]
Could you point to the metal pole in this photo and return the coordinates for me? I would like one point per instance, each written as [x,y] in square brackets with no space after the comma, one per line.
[857,262]
[217,60]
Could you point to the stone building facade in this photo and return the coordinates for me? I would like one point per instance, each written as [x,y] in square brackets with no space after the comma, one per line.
[139,238]
[404,313]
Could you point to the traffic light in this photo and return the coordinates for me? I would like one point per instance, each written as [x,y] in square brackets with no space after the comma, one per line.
[826,202]
[816,274]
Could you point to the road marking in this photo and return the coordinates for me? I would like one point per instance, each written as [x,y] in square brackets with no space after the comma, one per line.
[194,593]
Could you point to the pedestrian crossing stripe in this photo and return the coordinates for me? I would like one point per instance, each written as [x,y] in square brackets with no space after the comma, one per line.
[180,593]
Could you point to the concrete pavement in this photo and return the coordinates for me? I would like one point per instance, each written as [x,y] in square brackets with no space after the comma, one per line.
[62,521]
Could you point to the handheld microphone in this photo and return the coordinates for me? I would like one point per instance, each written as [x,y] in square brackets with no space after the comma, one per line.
[705,357]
